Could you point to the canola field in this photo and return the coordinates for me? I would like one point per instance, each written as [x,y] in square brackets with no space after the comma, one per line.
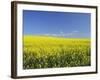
[52,52]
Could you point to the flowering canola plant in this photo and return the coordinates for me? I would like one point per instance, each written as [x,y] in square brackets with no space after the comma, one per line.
[54,52]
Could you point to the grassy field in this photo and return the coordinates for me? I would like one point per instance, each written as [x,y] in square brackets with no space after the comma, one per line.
[52,52]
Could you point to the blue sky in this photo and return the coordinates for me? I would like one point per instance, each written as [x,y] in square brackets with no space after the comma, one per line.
[67,24]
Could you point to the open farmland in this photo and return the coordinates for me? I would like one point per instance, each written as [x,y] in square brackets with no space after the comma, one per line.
[53,52]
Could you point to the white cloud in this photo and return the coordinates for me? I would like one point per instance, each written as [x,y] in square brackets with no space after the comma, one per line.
[62,34]
[75,31]
[72,33]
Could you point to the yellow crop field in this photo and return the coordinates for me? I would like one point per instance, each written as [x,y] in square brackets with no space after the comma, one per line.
[54,52]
